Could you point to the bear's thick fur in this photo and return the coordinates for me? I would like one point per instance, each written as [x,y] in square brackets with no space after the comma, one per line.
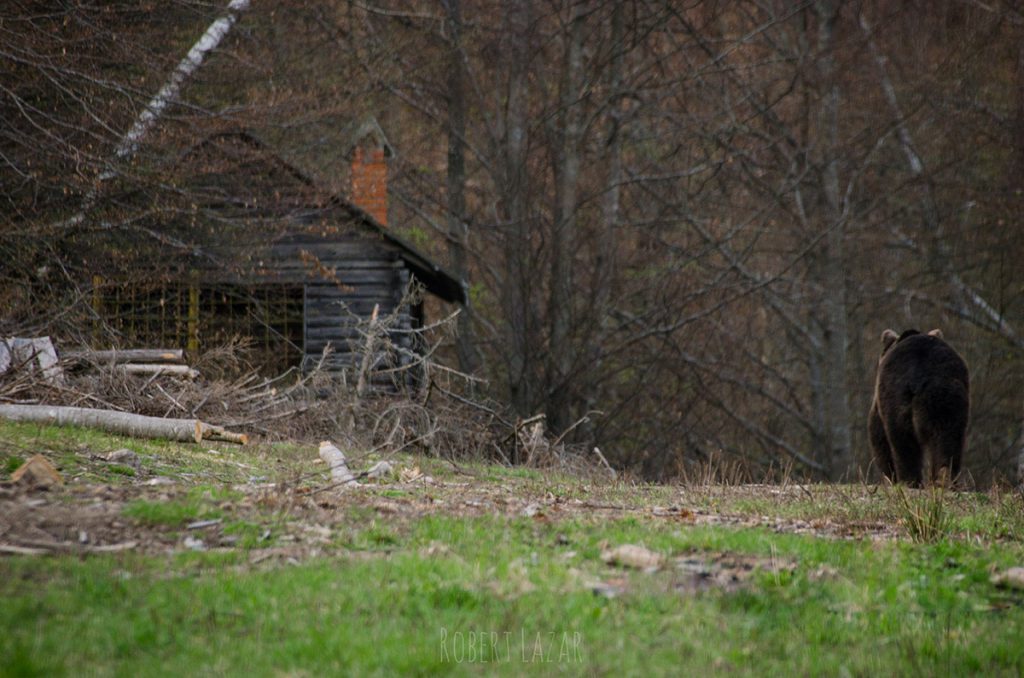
[921,408]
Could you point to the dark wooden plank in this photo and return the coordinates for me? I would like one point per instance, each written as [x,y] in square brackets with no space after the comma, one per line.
[346,308]
[333,250]
[382,290]
[341,331]
[332,334]
[333,264]
[315,274]
[340,318]
[315,345]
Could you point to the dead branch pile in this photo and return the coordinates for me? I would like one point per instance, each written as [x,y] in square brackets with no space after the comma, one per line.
[390,399]
[105,380]
[430,408]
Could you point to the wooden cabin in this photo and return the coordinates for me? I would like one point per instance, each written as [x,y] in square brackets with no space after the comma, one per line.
[254,248]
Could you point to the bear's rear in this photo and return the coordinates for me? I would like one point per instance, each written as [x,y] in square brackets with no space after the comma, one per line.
[921,407]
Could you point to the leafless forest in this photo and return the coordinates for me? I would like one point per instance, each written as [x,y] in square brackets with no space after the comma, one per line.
[684,223]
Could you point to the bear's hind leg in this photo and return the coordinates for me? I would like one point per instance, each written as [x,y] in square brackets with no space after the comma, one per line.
[907,455]
[880,444]
[941,426]
[945,455]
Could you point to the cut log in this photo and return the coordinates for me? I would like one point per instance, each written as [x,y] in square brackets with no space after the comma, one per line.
[161,370]
[335,459]
[211,432]
[174,356]
[124,423]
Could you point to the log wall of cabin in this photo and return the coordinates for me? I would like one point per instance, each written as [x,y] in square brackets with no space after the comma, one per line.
[343,281]
[333,312]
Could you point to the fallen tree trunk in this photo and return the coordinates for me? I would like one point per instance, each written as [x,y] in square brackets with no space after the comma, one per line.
[124,423]
[133,355]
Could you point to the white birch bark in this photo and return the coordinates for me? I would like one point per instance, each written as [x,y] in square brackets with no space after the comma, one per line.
[189,65]
[129,143]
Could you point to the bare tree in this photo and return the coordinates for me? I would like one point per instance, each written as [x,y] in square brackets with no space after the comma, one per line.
[458,228]
[685,226]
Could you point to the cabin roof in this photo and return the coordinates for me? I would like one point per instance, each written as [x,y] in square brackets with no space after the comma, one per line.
[267,173]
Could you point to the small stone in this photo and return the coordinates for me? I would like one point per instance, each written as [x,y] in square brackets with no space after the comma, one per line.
[631,555]
[1012,578]
[194,544]
[382,469]
[532,510]
[124,456]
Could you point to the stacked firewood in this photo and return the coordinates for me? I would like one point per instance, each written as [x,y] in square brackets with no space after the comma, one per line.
[147,361]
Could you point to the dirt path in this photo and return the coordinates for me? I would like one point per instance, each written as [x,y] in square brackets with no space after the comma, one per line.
[85,516]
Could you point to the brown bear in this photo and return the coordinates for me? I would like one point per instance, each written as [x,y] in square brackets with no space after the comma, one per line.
[920,409]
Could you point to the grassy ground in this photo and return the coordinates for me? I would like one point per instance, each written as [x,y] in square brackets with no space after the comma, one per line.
[239,561]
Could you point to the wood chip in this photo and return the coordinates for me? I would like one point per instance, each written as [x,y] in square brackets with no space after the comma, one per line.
[38,472]
[201,524]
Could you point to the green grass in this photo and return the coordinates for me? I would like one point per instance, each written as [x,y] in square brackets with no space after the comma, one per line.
[497,587]
[200,503]
[10,464]
[172,513]
[421,592]
[927,515]
[250,535]
[214,462]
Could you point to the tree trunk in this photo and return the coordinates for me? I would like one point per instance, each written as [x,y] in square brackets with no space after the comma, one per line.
[516,291]
[1017,177]
[123,423]
[607,248]
[458,229]
[561,349]
[129,142]
[834,278]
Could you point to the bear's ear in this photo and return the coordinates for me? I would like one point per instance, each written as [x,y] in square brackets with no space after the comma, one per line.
[888,337]
[935,333]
